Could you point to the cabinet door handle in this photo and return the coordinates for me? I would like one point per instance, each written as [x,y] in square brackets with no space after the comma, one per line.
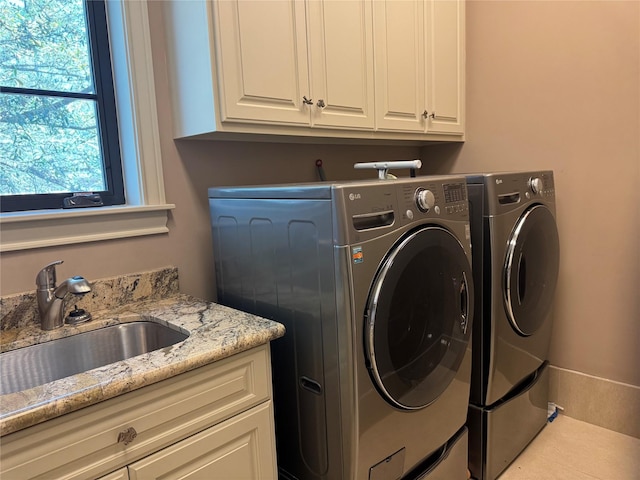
[127,436]
[425,114]
[307,101]
[321,103]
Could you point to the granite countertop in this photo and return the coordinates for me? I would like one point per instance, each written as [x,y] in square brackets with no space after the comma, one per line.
[215,332]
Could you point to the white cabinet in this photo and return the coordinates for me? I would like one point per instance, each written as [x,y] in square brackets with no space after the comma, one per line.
[341,64]
[246,66]
[445,65]
[307,68]
[220,415]
[401,95]
[121,474]
[261,58]
[274,68]
[238,448]
[419,49]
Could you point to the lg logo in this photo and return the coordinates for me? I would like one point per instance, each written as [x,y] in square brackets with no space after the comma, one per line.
[354,196]
[498,181]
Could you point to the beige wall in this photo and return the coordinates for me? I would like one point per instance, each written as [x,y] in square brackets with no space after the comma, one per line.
[557,85]
[550,85]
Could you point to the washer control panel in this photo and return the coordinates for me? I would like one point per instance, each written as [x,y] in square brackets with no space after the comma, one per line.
[435,199]
[425,199]
[390,204]
[535,184]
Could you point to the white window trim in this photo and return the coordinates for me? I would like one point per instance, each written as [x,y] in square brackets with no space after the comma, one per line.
[146,212]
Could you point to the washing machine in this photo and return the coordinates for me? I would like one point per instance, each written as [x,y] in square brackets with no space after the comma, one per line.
[516,256]
[373,282]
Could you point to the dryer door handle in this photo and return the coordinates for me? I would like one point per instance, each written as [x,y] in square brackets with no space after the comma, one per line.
[464,304]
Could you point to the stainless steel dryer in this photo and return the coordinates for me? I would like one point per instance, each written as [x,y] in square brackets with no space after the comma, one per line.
[373,282]
[516,257]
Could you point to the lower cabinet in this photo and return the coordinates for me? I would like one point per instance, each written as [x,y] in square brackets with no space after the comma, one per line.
[122,474]
[239,448]
[213,422]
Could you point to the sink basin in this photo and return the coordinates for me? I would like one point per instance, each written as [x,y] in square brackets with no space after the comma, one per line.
[35,365]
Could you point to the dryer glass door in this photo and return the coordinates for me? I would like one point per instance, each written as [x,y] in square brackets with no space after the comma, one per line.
[531,270]
[418,319]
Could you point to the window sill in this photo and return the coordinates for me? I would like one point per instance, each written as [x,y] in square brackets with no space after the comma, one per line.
[26,230]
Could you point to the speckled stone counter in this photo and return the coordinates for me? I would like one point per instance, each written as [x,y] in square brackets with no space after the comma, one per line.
[215,332]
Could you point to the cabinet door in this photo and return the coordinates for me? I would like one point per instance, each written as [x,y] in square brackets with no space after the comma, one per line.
[341,63]
[239,448]
[445,65]
[122,474]
[261,57]
[400,65]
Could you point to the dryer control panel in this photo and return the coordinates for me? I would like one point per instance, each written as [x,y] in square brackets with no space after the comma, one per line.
[510,191]
[525,184]
[541,184]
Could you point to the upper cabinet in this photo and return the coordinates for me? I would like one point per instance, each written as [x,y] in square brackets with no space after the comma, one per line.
[260,60]
[419,76]
[341,64]
[445,65]
[366,69]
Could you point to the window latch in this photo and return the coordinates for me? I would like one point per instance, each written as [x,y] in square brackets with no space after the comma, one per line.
[80,200]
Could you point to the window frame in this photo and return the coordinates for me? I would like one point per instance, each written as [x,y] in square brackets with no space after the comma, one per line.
[107,121]
[146,211]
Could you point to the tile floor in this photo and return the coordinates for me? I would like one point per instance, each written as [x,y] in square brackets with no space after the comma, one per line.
[568,449]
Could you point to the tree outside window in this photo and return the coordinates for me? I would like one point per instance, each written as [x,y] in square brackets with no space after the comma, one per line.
[58,128]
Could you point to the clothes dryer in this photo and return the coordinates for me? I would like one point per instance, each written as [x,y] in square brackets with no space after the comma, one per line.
[373,283]
[516,259]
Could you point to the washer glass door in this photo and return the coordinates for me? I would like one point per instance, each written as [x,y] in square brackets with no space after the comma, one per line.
[418,318]
[531,270]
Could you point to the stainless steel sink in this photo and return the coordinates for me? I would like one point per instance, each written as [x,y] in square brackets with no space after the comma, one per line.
[35,365]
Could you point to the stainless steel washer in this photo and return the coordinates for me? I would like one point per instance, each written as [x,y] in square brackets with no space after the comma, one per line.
[373,283]
[516,260]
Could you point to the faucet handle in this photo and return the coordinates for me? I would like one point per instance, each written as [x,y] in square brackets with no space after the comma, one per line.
[46,277]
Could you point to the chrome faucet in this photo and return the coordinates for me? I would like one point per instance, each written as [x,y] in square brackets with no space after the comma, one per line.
[51,298]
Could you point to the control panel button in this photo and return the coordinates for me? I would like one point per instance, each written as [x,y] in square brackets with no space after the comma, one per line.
[425,200]
[535,184]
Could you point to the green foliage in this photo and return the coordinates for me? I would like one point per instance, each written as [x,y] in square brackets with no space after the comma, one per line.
[48,144]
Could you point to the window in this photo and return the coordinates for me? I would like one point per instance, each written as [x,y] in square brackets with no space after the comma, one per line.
[145,211]
[58,124]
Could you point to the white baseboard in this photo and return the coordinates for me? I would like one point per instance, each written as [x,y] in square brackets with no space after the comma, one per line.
[606,403]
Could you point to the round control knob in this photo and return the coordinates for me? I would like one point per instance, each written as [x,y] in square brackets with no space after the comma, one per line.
[425,200]
[535,184]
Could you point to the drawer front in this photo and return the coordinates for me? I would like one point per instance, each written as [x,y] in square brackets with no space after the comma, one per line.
[120,474]
[241,447]
[85,443]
